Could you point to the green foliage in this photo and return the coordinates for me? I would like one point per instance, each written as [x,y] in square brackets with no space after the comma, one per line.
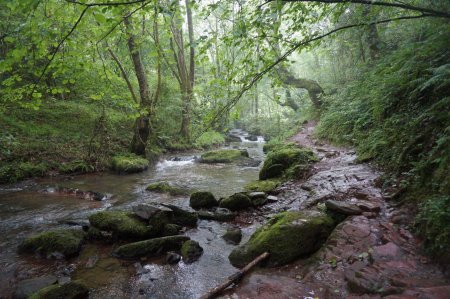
[209,139]
[433,224]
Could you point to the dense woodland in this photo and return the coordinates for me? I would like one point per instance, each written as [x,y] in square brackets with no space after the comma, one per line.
[84,81]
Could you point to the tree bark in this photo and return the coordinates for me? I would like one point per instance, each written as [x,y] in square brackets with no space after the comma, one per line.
[142,125]
[124,75]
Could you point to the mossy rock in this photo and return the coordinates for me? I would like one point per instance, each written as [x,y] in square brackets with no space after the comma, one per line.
[267,186]
[199,200]
[72,290]
[182,217]
[233,236]
[279,160]
[223,156]
[164,187]
[191,251]
[287,236]
[65,241]
[237,201]
[129,164]
[123,225]
[171,229]
[148,248]
[272,146]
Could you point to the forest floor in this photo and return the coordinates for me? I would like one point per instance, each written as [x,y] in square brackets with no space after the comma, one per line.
[372,255]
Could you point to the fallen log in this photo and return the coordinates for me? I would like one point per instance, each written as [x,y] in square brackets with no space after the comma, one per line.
[234,278]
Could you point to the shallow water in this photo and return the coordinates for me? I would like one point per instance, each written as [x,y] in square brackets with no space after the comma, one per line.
[25,210]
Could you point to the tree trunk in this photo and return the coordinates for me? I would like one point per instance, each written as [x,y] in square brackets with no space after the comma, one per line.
[142,126]
[315,92]
[373,38]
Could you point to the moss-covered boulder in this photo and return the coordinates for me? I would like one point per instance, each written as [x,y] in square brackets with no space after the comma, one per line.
[281,159]
[287,236]
[218,214]
[235,202]
[191,251]
[129,163]
[182,217]
[267,186]
[72,290]
[123,225]
[171,229]
[273,146]
[164,187]
[223,156]
[200,200]
[233,236]
[152,247]
[64,241]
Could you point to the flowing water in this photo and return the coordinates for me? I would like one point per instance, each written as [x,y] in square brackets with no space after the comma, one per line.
[25,210]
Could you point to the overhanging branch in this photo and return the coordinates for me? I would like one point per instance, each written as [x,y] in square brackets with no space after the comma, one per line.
[259,75]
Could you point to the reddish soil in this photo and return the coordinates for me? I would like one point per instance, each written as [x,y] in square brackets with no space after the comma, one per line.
[373,255]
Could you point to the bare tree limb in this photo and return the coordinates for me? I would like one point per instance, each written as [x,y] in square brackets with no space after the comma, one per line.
[105,3]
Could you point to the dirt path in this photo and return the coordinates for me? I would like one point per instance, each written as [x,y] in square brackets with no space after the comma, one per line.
[372,255]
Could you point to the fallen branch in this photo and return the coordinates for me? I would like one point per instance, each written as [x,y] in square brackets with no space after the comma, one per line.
[213,293]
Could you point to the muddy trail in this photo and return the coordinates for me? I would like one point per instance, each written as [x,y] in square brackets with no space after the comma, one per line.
[371,255]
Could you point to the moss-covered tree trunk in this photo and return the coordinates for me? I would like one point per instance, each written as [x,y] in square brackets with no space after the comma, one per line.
[142,125]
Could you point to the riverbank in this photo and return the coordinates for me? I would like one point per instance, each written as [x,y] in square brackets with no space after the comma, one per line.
[373,254]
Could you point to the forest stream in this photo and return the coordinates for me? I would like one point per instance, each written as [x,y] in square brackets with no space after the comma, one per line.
[372,253]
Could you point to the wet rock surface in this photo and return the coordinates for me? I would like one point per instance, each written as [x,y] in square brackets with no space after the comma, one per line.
[370,255]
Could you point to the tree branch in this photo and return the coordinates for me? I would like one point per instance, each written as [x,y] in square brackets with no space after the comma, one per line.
[429,11]
[57,49]
[259,75]
[105,3]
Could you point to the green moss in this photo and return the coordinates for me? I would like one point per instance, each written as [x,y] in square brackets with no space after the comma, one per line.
[202,199]
[164,187]
[276,145]
[209,139]
[129,163]
[282,158]
[150,247]
[171,230]
[236,202]
[287,236]
[191,251]
[267,186]
[121,224]
[71,290]
[65,241]
[223,156]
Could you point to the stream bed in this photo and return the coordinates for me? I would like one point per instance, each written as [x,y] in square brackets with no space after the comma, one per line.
[26,210]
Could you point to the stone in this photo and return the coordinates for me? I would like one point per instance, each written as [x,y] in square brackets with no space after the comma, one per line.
[164,187]
[223,156]
[151,247]
[191,251]
[233,236]
[256,194]
[219,214]
[272,198]
[287,236]
[27,287]
[146,211]
[129,164]
[72,290]
[252,138]
[172,258]
[202,199]
[368,207]
[267,186]
[171,229]
[388,251]
[182,217]
[57,244]
[343,207]
[237,201]
[121,224]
